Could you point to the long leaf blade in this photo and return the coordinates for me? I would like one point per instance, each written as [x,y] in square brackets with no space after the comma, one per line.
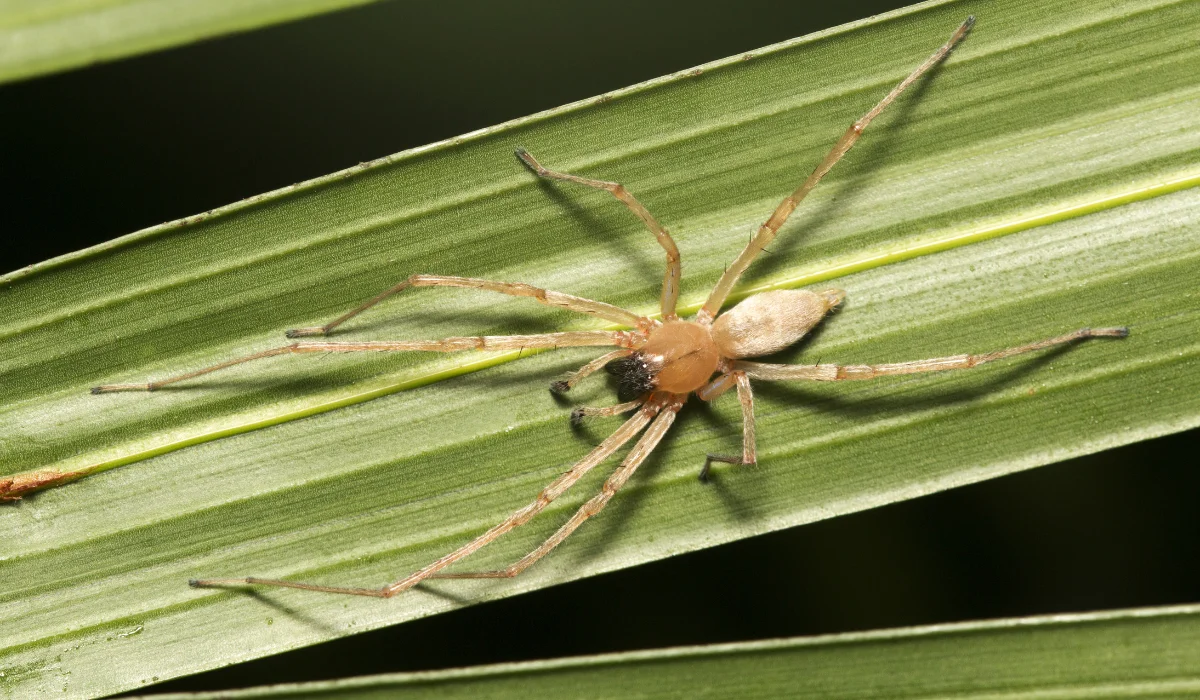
[1019,125]
[1140,653]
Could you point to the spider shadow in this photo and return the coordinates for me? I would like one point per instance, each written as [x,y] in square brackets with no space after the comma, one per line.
[594,227]
[429,586]
[297,386]
[876,152]
[259,597]
[742,509]
[471,320]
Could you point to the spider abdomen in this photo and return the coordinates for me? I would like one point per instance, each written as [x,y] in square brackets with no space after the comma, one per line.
[771,321]
[681,356]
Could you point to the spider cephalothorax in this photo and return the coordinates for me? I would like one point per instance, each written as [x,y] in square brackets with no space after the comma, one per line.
[659,363]
[680,356]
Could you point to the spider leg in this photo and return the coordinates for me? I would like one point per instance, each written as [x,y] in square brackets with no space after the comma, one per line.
[519,517]
[579,413]
[516,289]
[485,342]
[767,232]
[629,465]
[714,389]
[562,386]
[829,373]
[670,288]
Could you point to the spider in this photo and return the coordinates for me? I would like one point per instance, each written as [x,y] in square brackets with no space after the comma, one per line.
[662,361]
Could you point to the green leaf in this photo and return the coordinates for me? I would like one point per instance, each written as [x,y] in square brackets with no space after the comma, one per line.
[1142,653]
[1041,181]
[43,36]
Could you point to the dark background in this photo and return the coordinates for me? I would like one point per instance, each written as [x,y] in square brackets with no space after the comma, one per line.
[93,154]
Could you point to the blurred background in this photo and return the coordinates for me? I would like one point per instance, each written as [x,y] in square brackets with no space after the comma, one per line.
[97,153]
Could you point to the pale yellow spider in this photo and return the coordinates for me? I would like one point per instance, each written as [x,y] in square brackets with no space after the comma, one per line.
[663,362]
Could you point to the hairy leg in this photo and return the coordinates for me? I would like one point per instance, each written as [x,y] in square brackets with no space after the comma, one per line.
[767,232]
[519,517]
[629,465]
[830,373]
[746,397]
[562,386]
[483,342]
[578,414]
[670,288]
